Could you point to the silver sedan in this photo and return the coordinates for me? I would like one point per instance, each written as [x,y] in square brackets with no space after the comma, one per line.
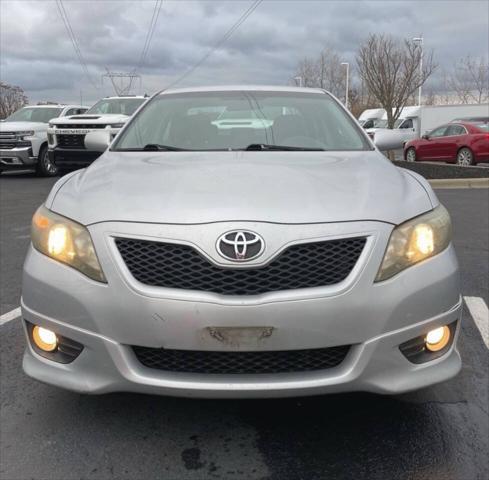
[241,242]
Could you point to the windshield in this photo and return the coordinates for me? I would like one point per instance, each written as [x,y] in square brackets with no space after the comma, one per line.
[33,114]
[380,123]
[239,119]
[124,106]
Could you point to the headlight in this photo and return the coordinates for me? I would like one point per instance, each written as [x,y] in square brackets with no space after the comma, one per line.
[65,241]
[416,240]
[22,135]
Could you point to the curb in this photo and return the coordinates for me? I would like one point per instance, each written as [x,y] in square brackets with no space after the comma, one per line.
[459,182]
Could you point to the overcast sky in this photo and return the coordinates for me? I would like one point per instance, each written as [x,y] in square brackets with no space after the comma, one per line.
[37,55]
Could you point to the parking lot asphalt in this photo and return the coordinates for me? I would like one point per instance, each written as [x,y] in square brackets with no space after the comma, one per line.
[437,433]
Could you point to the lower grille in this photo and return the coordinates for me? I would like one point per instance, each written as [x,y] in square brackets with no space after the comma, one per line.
[299,266]
[286,361]
[71,141]
[7,146]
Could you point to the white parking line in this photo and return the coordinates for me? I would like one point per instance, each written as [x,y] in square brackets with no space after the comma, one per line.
[12,315]
[480,313]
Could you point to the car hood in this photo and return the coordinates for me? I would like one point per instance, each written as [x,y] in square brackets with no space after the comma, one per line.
[22,126]
[83,118]
[202,187]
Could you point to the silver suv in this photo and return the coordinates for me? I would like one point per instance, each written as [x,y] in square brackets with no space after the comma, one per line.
[241,242]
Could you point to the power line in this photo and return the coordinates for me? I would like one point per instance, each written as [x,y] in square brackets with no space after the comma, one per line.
[223,39]
[72,37]
[121,89]
[150,32]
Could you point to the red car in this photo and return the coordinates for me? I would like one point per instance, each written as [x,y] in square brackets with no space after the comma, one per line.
[464,143]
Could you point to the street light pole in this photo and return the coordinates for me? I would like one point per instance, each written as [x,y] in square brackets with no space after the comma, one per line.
[419,41]
[347,82]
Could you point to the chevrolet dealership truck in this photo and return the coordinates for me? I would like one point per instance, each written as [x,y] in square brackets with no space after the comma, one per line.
[67,149]
[416,121]
[24,140]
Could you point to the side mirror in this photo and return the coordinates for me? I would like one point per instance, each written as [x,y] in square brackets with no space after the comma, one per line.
[97,141]
[425,137]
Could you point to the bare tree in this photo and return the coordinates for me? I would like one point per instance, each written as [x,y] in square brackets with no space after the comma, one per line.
[469,80]
[325,71]
[11,99]
[390,70]
[307,72]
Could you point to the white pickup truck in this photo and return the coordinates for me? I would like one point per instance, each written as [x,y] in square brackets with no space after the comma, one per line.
[67,149]
[24,140]
[416,121]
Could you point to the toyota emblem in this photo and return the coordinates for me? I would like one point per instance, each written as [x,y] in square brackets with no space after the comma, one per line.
[240,245]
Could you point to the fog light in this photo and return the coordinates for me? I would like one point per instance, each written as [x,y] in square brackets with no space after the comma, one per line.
[437,339]
[44,339]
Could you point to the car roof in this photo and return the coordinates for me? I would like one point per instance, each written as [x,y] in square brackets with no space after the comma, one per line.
[240,88]
[59,105]
[46,106]
[482,118]
[123,96]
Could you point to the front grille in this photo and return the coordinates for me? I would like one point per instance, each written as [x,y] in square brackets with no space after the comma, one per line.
[286,361]
[299,266]
[71,141]
[8,135]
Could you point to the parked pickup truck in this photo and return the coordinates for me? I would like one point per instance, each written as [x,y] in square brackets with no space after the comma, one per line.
[67,149]
[416,121]
[23,137]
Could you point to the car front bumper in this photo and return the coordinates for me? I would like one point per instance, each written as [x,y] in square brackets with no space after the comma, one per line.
[17,158]
[374,318]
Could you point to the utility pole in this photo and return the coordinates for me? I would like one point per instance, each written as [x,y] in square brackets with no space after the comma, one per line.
[125,79]
[347,82]
[419,41]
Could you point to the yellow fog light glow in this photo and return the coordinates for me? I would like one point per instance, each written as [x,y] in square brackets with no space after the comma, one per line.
[437,339]
[45,339]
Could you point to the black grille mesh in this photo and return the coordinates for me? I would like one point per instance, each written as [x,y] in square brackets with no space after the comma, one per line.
[191,361]
[71,141]
[299,266]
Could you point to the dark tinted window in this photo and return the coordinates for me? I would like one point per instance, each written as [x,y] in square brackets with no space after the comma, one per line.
[407,123]
[438,132]
[455,130]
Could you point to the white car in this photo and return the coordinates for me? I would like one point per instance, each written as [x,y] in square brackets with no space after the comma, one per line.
[67,150]
[23,137]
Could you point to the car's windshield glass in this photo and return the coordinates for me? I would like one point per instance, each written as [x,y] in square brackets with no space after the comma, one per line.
[124,106]
[235,120]
[32,114]
[380,123]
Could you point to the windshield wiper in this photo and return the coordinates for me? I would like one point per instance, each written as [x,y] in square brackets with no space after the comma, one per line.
[264,146]
[156,147]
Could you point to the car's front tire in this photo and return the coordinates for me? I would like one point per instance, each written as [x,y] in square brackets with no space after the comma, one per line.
[465,157]
[411,154]
[45,167]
